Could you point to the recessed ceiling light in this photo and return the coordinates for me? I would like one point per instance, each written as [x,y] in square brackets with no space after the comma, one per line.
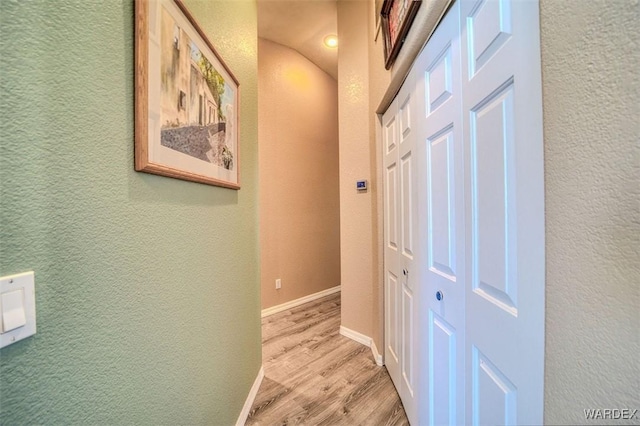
[331,41]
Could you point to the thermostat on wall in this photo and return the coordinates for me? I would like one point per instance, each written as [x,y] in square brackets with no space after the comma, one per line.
[361,185]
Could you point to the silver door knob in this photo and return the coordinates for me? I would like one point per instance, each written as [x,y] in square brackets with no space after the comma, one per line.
[405,272]
[439,295]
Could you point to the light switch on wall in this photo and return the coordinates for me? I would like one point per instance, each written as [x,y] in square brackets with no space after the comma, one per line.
[13,312]
[17,308]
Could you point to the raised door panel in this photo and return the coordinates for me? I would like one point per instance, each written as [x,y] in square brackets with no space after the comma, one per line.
[489,28]
[441,188]
[439,78]
[407,206]
[405,118]
[391,206]
[408,370]
[390,136]
[493,212]
[494,395]
[443,401]
[392,313]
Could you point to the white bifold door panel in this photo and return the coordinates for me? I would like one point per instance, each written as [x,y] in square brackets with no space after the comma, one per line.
[504,211]
[442,238]
[392,273]
[399,139]
[464,221]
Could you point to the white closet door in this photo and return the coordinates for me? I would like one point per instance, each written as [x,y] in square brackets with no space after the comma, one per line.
[442,300]
[399,137]
[504,214]
[392,270]
[408,240]
[464,221]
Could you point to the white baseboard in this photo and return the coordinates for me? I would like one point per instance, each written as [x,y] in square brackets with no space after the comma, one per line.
[376,355]
[354,335]
[365,340]
[297,302]
[244,414]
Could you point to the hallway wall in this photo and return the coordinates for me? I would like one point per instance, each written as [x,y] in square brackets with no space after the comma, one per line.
[362,80]
[591,87]
[379,79]
[358,230]
[298,162]
[147,288]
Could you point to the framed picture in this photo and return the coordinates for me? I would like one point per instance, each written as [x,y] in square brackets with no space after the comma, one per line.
[378,9]
[187,99]
[397,17]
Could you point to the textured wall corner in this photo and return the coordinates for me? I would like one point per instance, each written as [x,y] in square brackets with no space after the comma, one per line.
[590,59]
[356,209]
[379,80]
[147,288]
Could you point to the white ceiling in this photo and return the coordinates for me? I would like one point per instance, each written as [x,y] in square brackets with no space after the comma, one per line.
[302,25]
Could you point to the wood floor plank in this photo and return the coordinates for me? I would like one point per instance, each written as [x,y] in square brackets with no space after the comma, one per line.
[315,376]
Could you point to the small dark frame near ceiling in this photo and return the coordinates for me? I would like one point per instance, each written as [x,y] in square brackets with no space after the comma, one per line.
[397,17]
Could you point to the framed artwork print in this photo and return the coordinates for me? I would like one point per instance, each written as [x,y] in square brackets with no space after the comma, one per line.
[186,101]
[397,17]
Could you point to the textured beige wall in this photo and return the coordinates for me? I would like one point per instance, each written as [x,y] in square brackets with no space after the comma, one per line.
[357,231]
[590,63]
[379,80]
[298,167]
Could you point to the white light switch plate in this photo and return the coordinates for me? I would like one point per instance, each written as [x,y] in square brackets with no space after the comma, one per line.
[12,315]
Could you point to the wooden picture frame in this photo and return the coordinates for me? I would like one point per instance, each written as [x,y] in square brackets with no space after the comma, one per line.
[378,10]
[397,17]
[186,100]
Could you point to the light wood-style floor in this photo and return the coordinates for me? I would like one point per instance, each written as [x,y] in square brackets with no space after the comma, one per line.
[315,376]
